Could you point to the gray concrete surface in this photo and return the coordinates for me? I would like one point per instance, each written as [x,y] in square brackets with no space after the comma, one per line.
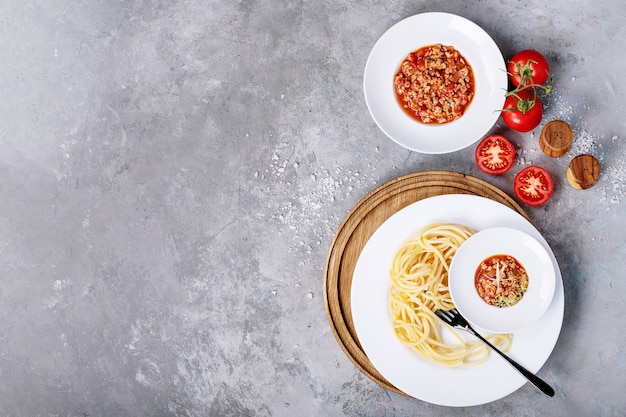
[173,172]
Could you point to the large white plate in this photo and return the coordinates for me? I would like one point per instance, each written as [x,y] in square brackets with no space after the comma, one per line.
[427,29]
[400,365]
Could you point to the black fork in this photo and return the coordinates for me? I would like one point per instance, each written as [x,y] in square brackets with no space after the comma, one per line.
[456,320]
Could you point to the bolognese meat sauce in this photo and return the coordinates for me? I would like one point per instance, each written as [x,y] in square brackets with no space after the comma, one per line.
[501,280]
[434,84]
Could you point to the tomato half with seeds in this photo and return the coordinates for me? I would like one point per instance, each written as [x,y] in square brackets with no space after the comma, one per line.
[533,185]
[528,67]
[495,155]
[522,110]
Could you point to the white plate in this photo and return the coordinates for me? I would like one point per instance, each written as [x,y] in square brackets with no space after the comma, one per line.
[425,29]
[529,252]
[404,368]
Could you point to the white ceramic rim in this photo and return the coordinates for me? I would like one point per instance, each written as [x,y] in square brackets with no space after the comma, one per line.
[425,29]
[404,368]
[533,257]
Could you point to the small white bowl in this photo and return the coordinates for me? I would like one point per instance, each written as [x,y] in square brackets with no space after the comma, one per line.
[502,241]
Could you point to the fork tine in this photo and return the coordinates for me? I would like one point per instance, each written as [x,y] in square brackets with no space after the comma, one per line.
[452,317]
[444,315]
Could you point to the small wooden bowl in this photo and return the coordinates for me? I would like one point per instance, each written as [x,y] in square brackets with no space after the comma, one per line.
[583,172]
[556,138]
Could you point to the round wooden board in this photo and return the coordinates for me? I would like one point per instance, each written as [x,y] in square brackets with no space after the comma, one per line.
[358,227]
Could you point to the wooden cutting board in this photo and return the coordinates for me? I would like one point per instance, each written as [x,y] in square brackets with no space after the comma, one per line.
[359,225]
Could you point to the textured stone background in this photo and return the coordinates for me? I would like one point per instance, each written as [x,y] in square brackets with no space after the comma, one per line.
[172,174]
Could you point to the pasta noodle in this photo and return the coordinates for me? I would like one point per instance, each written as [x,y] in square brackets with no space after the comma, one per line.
[419,287]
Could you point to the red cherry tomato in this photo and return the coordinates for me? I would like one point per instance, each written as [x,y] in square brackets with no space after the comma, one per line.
[533,185]
[495,155]
[522,111]
[528,67]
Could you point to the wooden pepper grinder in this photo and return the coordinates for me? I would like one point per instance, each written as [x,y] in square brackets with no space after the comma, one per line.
[556,138]
[583,172]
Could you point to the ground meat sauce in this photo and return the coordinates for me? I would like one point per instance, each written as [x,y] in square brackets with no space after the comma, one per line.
[501,280]
[434,84]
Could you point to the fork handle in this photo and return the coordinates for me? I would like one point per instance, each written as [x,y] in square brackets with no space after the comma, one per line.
[534,379]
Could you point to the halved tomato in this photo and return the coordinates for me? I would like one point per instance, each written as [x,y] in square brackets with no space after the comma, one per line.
[533,185]
[495,155]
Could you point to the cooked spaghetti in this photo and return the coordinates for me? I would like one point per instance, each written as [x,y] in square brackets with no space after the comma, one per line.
[419,287]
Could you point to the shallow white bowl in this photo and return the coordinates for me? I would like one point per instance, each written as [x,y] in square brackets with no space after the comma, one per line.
[418,31]
[533,257]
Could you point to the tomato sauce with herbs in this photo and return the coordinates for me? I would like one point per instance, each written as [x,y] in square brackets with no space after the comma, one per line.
[434,84]
[501,280]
